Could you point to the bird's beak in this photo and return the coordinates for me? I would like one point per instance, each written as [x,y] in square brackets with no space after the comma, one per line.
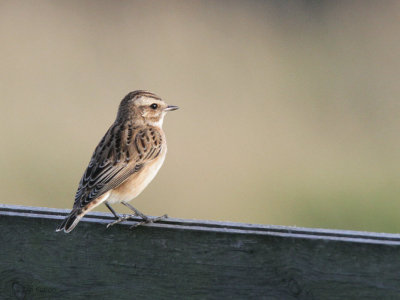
[171,107]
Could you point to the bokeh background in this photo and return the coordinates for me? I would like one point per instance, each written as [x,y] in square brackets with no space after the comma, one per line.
[289,109]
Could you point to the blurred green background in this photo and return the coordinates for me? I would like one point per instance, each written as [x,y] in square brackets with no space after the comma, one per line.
[289,109]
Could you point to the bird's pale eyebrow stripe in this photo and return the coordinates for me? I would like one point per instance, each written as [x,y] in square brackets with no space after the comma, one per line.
[141,93]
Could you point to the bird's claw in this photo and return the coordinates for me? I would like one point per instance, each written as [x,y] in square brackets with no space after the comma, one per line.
[119,220]
[147,220]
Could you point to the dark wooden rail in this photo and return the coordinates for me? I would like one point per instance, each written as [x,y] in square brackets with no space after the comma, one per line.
[189,259]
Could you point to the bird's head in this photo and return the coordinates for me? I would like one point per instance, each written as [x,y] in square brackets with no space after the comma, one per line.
[144,108]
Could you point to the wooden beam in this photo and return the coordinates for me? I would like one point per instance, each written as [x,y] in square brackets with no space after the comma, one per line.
[190,259]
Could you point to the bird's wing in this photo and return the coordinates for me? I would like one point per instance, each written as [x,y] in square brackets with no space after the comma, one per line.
[123,151]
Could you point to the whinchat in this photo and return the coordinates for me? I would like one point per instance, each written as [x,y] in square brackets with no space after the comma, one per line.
[125,161]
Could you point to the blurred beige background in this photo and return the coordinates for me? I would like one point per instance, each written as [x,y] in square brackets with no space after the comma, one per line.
[289,109]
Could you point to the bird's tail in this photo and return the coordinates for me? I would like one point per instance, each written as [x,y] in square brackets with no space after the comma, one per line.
[70,221]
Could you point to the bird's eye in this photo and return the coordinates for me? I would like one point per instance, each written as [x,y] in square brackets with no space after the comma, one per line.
[154,106]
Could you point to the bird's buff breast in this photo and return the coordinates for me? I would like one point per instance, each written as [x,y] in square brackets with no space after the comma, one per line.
[137,182]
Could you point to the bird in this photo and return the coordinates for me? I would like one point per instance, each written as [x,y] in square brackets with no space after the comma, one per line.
[125,161]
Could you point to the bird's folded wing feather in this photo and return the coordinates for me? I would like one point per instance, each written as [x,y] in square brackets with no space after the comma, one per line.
[123,151]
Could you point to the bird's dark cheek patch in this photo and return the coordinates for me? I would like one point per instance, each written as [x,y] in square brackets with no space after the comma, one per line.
[154,119]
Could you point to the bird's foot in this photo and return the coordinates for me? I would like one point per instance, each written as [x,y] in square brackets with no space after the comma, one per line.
[147,220]
[119,220]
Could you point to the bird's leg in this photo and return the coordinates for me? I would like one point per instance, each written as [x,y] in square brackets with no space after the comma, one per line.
[137,213]
[146,219]
[112,210]
[118,217]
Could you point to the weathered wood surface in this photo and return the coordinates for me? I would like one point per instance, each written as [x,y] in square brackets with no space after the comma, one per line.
[187,259]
